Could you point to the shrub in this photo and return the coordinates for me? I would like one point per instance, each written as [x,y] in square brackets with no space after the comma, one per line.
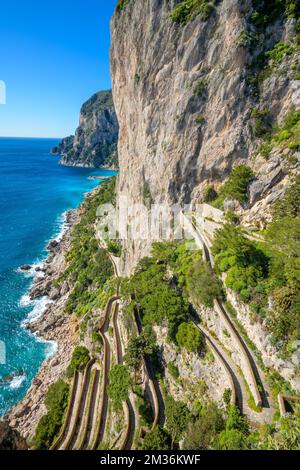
[202,285]
[284,135]
[187,10]
[119,385]
[177,418]
[190,337]
[237,185]
[279,51]
[156,439]
[114,247]
[200,88]
[261,126]
[202,433]
[210,194]
[139,347]
[79,361]
[173,370]
[121,5]
[49,425]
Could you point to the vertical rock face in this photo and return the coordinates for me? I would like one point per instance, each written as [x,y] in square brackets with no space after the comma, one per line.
[95,140]
[183,98]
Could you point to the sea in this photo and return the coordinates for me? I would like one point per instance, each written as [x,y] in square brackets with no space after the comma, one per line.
[35,193]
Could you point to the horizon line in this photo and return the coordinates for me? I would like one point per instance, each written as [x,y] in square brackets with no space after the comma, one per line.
[29,137]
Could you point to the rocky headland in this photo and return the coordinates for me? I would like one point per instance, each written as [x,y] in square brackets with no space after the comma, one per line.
[95,142]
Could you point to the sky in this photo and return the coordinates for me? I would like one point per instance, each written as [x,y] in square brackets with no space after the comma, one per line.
[54,55]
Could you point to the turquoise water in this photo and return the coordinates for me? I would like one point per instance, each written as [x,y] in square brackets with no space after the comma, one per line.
[35,193]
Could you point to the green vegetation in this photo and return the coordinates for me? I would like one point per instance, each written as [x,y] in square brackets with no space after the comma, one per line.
[259,272]
[49,425]
[177,418]
[157,439]
[210,430]
[210,194]
[121,5]
[187,10]
[155,300]
[236,186]
[119,385]
[140,347]
[200,88]
[143,406]
[199,119]
[173,370]
[261,125]
[287,135]
[280,50]
[89,267]
[266,12]
[190,338]
[79,361]
[147,197]
[114,247]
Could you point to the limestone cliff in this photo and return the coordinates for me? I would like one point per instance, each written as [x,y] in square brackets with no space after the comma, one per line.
[190,90]
[95,140]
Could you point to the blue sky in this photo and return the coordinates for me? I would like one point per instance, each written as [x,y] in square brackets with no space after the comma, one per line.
[53,56]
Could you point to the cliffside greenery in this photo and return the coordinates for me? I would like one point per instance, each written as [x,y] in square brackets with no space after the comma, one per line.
[49,425]
[266,275]
[236,187]
[287,135]
[139,347]
[79,361]
[156,439]
[186,10]
[119,385]
[89,267]
[190,338]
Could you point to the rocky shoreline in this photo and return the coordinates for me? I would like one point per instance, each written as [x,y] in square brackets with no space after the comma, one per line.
[54,326]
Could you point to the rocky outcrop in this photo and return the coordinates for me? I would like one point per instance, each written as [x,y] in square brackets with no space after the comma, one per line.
[10,439]
[95,140]
[54,326]
[184,95]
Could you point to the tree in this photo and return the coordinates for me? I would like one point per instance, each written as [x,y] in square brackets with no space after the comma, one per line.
[79,361]
[177,418]
[231,439]
[202,284]
[119,385]
[156,439]
[237,184]
[190,337]
[203,432]
[236,421]
[140,346]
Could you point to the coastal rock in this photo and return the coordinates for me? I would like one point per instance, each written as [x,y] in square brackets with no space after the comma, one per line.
[10,439]
[95,140]
[25,267]
[52,326]
[53,246]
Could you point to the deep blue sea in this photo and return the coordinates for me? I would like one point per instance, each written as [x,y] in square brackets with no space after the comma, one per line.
[35,193]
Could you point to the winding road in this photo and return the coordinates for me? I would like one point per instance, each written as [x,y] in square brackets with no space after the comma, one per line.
[260,388]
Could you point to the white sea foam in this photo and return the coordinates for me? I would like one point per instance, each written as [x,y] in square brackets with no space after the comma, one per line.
[25,300]
[61,224]
[17,381]
[39,307]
